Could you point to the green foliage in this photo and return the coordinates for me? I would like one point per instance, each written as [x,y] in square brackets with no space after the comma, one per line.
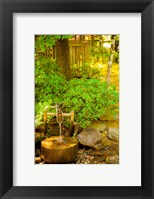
[40,108]
[88,96]
[90,99]
[44,41]
[49,82]
[47,65]
[100,52]
[116,57]
[86,71]
[116,49]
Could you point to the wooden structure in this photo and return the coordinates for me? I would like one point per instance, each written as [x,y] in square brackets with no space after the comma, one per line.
[49,53]
[70,115]
[79,52]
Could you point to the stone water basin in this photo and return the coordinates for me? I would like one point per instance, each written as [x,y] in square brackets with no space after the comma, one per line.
[57,152]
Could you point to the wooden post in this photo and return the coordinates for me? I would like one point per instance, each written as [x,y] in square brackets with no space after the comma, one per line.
[45,123]
[72,121]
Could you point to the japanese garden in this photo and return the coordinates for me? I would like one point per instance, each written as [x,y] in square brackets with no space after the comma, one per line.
[77,99]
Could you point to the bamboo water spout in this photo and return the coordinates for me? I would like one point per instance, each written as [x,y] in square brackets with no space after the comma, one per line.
[62,115]
[59,117]
[59,149]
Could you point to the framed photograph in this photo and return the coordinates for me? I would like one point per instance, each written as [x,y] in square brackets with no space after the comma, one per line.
[76,99]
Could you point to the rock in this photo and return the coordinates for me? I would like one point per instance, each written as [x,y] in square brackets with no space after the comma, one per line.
[109,117]
[37,152]
[80,151]
[53,130]
[42,162]
[89,137]
[97,153]
[112,124]
[112,159]
[77,129]
[112,150]
[88,156]
[39,137]
[99,125]
[101,159]
[91,158]
[98,146]
[113,134]
[39,128]
[38,159]
[106,143]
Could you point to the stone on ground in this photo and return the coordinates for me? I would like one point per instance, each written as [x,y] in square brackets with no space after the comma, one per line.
[99,125]
[109,117]
[89,137]
[112,159]
[39,137]
[113,134]
[98,146]
[106,142]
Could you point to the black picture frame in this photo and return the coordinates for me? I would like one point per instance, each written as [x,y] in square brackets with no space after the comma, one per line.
[7,8]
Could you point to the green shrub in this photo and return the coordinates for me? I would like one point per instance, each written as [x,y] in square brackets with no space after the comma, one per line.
[116,57]
[100,53]
[40,108]
[90,99]
[86,71]
[49,82]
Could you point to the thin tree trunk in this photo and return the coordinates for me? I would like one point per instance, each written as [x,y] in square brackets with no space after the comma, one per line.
[62,54]
[92,40]
[109,69]
[110,60]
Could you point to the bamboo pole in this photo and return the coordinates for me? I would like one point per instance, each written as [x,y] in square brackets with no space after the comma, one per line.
[72,121]
[45,123]
[63,114]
